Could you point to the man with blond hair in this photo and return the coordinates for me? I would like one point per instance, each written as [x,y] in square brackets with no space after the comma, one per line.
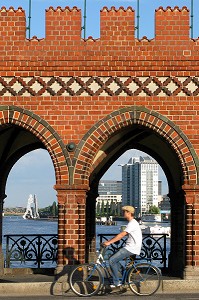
[133,243]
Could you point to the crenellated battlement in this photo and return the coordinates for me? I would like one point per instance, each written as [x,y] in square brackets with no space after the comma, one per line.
[170,9]
[117,40]
[116,25]
[59,8]
[114,9]
[63,24]
[12,24]
[11,10]
[172,24]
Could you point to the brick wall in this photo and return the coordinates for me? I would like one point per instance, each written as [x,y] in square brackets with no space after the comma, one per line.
[73,84]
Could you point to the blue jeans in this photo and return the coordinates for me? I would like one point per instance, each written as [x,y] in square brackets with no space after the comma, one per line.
[113,261]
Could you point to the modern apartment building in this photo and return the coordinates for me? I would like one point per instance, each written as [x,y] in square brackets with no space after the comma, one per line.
[110,187]
[159,187]
[140,183]
[110,196]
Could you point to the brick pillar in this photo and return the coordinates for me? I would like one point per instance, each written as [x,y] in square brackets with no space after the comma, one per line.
[192,231]
[176,262]
[81,204]
[189,231]
[91,226]
[61,231]
[71,224]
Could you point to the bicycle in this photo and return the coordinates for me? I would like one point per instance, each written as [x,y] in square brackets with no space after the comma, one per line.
[86,280]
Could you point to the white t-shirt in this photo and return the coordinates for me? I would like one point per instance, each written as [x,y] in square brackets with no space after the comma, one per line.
[134,240]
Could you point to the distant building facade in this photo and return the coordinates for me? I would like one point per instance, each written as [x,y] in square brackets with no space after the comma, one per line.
[140,183]
[165,208]
[110,198]
[165,205]
[110,187]
[159,187]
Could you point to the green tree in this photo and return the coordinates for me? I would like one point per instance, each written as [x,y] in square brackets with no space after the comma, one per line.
[98,209]
[114,209]
[53,209]
[154,210]
[102,209]
[119,209]
[107,209]
[111,207]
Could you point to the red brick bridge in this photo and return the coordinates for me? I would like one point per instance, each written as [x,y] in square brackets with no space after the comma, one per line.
[88,101]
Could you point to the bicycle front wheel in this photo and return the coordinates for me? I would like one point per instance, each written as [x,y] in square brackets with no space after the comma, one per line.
[144,279]
[85,280]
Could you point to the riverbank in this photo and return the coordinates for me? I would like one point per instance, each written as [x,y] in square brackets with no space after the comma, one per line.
[49,219]
[10,214]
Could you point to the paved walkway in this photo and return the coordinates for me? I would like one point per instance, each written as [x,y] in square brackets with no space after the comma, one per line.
[26,278]
[43,286]
[113,296]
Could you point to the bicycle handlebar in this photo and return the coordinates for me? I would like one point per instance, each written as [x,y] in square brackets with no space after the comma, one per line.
[102,248]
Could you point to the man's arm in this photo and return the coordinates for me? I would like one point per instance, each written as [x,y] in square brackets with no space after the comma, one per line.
[116,238]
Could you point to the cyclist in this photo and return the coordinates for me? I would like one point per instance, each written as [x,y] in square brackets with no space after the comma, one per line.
[133,243]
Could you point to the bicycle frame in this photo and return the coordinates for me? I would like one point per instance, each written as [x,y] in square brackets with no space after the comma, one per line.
[97,276]
[101,263]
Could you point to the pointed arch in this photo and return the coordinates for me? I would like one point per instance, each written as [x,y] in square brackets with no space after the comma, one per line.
[13,115]
[88,155]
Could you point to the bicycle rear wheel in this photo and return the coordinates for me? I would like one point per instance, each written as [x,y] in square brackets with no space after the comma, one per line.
[144,279]
[85,280]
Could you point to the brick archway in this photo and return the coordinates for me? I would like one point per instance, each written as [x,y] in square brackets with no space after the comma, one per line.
[88,156]
[94,152]
[23,118]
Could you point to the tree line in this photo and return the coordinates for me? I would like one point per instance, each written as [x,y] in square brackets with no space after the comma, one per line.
[49,211]
[115,209]
[109,209]
[102,209]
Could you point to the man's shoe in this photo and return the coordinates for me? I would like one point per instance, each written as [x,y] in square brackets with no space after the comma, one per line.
[113,286]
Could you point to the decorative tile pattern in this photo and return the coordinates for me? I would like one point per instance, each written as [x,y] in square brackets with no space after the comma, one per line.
[99,86]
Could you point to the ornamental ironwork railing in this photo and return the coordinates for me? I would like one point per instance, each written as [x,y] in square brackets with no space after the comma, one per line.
[41,250]
[153,247]
[37,249]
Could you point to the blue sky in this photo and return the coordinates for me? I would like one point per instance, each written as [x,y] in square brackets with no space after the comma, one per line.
[34,172]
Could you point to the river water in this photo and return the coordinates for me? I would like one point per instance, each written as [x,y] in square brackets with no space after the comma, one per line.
[17,225]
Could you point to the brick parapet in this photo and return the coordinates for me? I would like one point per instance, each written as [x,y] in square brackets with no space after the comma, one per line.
[117,48]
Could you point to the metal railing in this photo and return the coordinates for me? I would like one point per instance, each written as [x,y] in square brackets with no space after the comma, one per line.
[153,247]
[41,249]
[37,249]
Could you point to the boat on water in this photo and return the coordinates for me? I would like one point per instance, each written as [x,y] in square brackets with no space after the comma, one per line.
[32,208]
[156,229]
[151,218]
[105,221]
